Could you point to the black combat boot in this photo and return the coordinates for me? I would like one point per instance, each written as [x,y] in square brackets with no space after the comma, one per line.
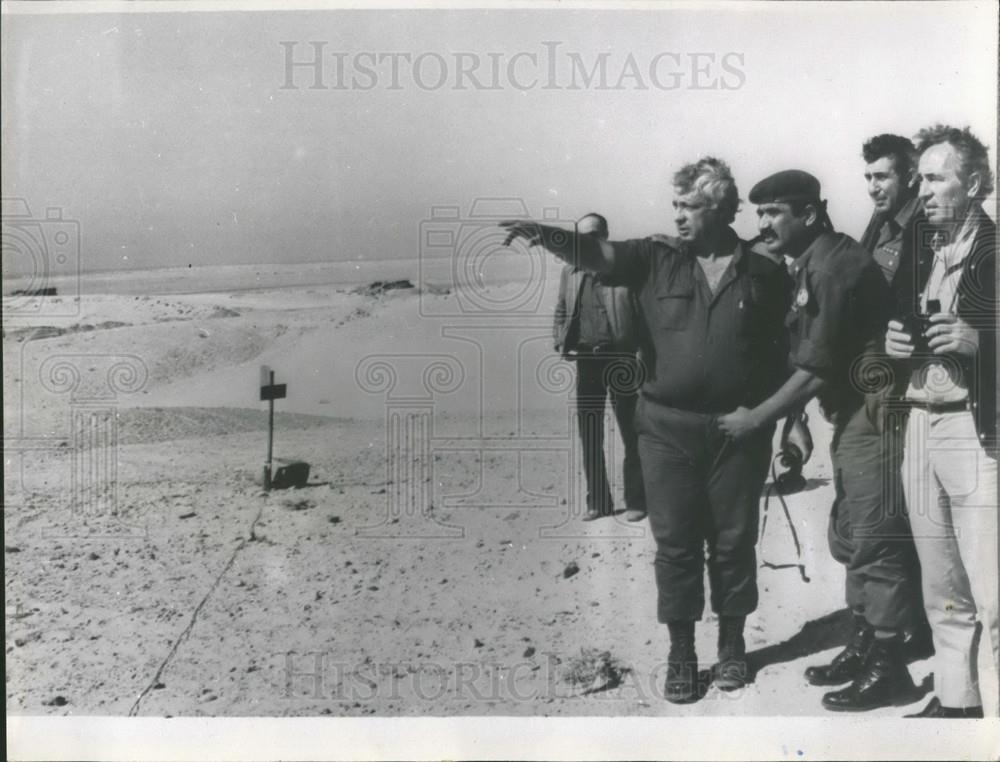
[884,681]
[682,664]
[731,671]
[848,663]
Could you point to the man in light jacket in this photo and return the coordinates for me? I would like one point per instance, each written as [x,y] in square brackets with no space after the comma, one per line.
[944,357]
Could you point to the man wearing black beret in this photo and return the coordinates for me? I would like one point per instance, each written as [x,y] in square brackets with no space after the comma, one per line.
[839,307]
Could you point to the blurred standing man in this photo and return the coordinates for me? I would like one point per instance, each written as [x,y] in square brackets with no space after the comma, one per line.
[595,326]
[841,301]
[949,385]
[713,338]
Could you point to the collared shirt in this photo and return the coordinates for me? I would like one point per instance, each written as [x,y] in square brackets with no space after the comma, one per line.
[887,247]
[936,381]
[839,308]
[595,328]
[705,352]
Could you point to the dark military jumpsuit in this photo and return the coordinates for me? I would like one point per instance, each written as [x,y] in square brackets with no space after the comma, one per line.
[704,354]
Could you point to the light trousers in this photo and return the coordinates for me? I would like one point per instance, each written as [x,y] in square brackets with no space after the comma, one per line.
[951,489]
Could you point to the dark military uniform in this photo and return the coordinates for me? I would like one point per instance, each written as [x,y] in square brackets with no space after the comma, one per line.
[901,246]
[704,354]
[840,306]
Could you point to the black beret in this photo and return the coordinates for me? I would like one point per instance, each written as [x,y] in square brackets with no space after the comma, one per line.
[787,185]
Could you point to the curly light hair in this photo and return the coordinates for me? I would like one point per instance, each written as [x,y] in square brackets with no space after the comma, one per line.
[713,179]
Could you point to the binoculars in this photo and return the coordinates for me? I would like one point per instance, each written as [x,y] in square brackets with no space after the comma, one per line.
[918,323]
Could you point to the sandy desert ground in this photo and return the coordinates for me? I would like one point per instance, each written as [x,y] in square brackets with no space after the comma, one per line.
[435,565]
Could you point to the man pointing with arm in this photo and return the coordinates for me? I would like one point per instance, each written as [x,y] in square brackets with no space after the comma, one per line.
[712,339]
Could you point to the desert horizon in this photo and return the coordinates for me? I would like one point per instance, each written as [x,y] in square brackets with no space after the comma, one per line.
[185,279]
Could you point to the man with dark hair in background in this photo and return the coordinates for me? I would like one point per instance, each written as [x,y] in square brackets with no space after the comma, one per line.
[841,301]
[893,237]
[945,351]
[896,231]
[713,338]
[595,325]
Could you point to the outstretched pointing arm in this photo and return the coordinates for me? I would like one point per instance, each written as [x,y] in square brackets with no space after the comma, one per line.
[584,251]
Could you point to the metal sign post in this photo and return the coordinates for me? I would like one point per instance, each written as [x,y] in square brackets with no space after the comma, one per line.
[270,391]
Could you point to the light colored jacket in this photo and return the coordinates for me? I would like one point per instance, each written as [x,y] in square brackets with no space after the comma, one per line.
[618,301]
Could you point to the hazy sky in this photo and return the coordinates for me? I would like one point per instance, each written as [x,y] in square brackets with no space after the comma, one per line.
[171,139]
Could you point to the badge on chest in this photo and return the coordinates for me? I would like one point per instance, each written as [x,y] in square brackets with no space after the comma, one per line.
[801,298]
